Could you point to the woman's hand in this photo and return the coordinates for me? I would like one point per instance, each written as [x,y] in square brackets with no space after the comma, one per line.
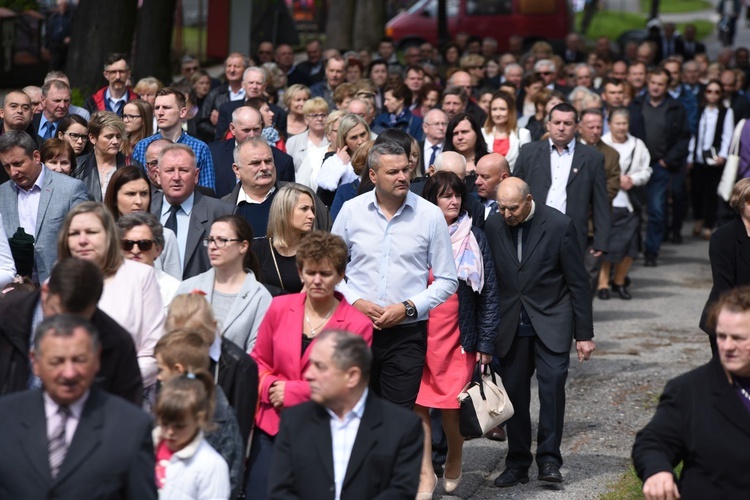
[343,155]
[276,394]
[484,358]
[626,182]
[720,161]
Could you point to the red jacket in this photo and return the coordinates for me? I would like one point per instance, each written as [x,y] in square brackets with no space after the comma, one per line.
[95,102]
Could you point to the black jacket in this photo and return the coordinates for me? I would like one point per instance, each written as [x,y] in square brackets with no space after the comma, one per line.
[701,422]
[86,171]
[118,374]
[213,101]
[478,313]
[678,137]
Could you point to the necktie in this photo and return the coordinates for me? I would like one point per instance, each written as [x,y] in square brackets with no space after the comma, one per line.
[433,155]
[48,130]
[493,208]
[118,107]
[519,247]
[172,220]
[56,444]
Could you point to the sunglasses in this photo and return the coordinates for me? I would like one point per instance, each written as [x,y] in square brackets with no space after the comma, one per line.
[143,245]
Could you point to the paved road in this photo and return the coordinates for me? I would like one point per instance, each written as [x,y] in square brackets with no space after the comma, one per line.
[640,345]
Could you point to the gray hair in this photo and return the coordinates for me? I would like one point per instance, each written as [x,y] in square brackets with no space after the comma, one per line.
[587,66]
[349,350]
[383,149]
[544,62]
[17,138]
[255,69]
[56,84]
[64,325]
[255,142]
[511,66]
[187,58]
[134,219]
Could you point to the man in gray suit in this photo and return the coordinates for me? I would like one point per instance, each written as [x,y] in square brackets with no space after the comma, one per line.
[66,441]
[186,212]
[545,303]
[35,199]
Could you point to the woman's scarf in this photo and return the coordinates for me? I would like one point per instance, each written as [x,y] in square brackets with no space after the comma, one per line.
[466,253]
[271,135]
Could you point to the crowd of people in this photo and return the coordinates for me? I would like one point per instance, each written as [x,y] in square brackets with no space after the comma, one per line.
[338,243]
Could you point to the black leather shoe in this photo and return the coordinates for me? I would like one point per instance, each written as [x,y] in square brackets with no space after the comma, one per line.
[497,434]
[650,262]
[622,292]
[603,293]
[511,477]
[550,473]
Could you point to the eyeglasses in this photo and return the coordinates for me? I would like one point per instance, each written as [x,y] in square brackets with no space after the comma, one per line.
[118,71]
[544,73]
[218,241]
[709,91]
[476,67]
[75,136]
[152,163]
[318,116]
[127,118]
[143,245]
[437,124]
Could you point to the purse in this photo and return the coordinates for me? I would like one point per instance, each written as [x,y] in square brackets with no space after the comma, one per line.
[637,195]
[484,404]
[729,175]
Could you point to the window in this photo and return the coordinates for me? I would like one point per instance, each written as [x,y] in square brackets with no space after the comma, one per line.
[489,7]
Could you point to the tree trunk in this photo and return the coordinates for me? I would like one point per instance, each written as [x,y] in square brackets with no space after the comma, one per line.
[99,27]
[340,24]
[153,40]
[369,24]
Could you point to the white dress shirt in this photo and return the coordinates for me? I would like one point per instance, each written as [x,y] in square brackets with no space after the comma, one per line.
[28,203]
[391,259]
[183,223]
[560,165]
[706,133]
[7,265]
[427,153]
[343,435]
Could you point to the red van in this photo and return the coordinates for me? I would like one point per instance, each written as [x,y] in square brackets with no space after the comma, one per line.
[549,20]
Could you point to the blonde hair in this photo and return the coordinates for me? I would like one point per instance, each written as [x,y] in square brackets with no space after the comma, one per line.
[282,212]
[740,195]
[315,105]
[295,89]
[346,124]
[191,311]
[333,117]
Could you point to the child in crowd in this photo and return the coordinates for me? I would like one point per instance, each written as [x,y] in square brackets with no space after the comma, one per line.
[183,351]
[186,465]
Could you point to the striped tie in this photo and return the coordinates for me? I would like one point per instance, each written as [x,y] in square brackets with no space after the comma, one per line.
[56,445]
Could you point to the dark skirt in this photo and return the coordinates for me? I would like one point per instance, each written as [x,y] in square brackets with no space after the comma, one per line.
[623,238]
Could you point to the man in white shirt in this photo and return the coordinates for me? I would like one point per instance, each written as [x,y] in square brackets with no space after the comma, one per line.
[434,125]
[368,448]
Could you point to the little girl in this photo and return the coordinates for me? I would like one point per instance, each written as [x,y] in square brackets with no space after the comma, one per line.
[186,465]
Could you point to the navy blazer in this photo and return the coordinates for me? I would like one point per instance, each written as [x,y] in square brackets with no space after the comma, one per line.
[550,281]
[586,188]
[223,155]
[111,454]
[384,462]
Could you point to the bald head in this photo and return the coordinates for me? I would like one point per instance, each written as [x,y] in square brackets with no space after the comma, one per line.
[450,161]
[492,169]
[514,201]
[246,122]
[153,150]
[434,125]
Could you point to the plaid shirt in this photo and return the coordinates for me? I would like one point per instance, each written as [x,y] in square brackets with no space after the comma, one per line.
[206,177]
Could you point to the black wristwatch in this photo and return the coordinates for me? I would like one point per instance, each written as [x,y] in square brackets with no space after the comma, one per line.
[411,311]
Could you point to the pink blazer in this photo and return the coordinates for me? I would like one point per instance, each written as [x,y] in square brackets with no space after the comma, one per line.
[278,351]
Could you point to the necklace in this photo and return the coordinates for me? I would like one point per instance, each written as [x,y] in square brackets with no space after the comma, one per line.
[312,330]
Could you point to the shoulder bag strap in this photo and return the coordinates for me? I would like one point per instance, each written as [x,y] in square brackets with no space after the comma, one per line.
[275,264]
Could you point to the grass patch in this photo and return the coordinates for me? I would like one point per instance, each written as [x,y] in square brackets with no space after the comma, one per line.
[612,24]
[629,487]
[190,40]
[677,6]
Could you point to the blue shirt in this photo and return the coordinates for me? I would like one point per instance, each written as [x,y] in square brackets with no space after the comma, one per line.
[391,260]
[203,158]
[183,223]
[43,122]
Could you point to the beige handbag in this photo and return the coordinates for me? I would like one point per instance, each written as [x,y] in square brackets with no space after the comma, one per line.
[484,404]
[729,175]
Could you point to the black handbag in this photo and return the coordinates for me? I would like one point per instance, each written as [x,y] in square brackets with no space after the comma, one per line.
[484,404]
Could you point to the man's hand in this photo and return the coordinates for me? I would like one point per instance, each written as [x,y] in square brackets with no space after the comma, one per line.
[663,164]
[584,348]
[661,486]
[276,394]
[626,182]
[369,309]
[214,117]
[392,316]
[595,253]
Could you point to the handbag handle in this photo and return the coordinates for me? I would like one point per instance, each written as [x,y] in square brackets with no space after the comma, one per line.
[734,147]
[478,372]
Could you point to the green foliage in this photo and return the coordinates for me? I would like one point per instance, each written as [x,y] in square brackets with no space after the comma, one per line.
[612,24]
[20,5]
[629,487]
[77,97]
[677,6]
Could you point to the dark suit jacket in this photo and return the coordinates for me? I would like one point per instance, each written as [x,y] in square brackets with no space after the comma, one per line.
[225,118]
[550,281]
[322,215]
[384,463]
[111,454]
[692,50]
[729,254]
[701,422]
[118,374]
[678,135]
[36,120]
[205,210]
[587,187]
[223,155]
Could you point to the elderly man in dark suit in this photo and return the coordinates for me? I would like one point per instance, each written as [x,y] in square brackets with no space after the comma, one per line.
[258,185]
[702,418]
[545,303]
[74,287]
[73,440]
[346,443]
[567,175]
[35,198]
[246,122]
[183,209]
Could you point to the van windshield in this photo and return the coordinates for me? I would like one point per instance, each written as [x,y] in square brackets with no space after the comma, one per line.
[430,7]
